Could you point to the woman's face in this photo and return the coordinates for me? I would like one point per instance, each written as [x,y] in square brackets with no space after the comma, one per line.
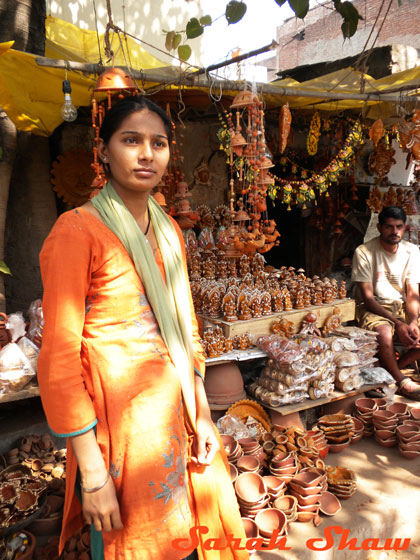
[138,152]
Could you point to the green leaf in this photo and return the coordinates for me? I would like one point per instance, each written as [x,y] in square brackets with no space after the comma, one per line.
[169,41]
[280,2]
[235,11]
[4,268]
[300,7]
[206,20]
[348,11]
[194,28]
[348,28]
[184,52]
[176,40]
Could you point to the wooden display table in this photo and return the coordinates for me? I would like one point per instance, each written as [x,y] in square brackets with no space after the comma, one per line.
[26,393]
[262,325]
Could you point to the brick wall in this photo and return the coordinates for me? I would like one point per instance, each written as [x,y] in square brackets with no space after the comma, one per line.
[323,40]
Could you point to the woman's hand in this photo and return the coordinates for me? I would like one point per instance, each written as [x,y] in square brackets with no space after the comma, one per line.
[101,508]
[205,444]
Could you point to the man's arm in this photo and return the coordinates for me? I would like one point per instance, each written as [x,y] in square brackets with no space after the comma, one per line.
[406,333]
[412,305]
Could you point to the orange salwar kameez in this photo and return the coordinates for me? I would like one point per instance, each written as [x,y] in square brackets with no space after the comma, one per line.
[103,363]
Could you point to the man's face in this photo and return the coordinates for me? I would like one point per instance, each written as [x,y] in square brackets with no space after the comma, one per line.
[391,231]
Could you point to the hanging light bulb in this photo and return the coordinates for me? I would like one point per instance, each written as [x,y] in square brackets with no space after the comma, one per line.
[68,110]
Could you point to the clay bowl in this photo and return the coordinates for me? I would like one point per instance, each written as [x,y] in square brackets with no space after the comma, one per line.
[385,434]
[282,457]
[269,520]
[291,469]
[355,439]
[338,447]
[409,454]
[329,504]
[286,503]
[278,428]
[365,416]
[380,403]
[406,431]
[411,439]
[366,405]
[409,446]
[305,500]
[269,446]
[305,491]
[415,414]
[357,424]
[248,463]
[227,440]
[233,472]
[307,479]
[390,442]
[323,451]
[267,436]
[384,415]
[248,443]
[251,528]
[252,511]
[311,507]
[274,485]
[398,408]
[415,425]
[46,525]
[281,439]
[250,487]
[306,516]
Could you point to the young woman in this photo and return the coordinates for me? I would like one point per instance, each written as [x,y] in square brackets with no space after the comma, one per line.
[121,366]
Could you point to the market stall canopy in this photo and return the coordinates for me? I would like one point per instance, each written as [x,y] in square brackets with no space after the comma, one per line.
[32,97]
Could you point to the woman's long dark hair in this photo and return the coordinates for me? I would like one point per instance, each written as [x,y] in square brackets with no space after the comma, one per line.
[122,109]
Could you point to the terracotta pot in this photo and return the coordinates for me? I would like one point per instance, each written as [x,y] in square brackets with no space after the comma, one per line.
[366,405]
[248,463]
[224,384]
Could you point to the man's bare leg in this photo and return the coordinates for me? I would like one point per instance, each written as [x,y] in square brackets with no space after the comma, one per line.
[409,357]
[388,360]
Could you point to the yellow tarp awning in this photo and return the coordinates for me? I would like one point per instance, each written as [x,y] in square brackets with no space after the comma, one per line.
[32,97]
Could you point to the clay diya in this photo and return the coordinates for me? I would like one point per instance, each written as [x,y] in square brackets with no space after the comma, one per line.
[329,504]
[251,528]
[270,520]
[275,486]
[248,463]
[250,488]
[365,405]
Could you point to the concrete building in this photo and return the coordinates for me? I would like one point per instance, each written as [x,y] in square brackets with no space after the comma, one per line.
[318,38]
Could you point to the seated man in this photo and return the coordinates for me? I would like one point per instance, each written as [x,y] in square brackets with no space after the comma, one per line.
[387,272]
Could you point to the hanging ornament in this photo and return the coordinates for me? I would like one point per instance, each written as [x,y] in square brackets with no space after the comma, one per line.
[285,121]
[376,131]
[313,135]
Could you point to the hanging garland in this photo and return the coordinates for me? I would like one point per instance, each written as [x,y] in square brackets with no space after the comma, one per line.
[303,191]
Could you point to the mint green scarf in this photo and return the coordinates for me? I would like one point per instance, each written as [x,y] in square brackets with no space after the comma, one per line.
[169,302]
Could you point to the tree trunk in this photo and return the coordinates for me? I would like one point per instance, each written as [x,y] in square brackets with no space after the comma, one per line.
[22,21]
[31,214]
[8,146]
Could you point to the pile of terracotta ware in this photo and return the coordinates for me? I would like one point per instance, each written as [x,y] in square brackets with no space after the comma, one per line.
[306,488]
[364,413]
[408,434]
[358,430]
[338,431]
[40,455]
[341,481]
[21,495]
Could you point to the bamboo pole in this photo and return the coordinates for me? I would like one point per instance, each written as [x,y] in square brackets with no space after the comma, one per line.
[191,80]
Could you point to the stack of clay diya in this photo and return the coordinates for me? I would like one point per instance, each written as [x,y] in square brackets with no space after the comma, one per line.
[269,520]
[251,493]
[284,466]
[254,457]
[409,439]
[338,430]
[288,505]
[385,424]
[306,488]
[358,430]
[232,448]
[364,412]
[341,481]
[319,441]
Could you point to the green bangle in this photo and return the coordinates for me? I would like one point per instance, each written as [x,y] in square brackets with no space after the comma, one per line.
[96,488]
